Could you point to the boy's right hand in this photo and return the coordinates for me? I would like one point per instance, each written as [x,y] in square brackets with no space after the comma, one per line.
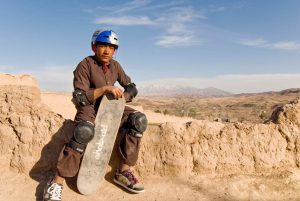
[117,92]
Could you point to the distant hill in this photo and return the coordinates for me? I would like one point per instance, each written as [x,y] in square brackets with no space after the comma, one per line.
[290,91]
[159,90]
[282,92]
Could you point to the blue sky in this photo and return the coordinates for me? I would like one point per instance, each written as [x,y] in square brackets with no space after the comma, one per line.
[235,45]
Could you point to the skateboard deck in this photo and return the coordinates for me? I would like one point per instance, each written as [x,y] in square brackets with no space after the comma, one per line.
[98,151]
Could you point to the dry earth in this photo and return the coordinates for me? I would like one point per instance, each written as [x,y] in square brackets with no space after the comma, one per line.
[180,159]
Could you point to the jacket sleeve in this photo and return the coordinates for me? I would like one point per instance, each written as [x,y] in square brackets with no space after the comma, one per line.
[82,81]
[123,78]
[125,81]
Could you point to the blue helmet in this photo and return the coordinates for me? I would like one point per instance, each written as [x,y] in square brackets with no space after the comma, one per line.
[105,36]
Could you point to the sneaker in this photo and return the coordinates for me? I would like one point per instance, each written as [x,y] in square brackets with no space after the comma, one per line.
[52,191]
[127,180]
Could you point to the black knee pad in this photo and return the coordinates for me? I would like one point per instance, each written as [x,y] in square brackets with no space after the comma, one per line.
[137,123]
[83,134]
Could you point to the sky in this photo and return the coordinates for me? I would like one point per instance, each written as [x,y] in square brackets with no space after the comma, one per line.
[234,45]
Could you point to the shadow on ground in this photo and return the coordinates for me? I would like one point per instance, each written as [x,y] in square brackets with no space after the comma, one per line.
[45,167]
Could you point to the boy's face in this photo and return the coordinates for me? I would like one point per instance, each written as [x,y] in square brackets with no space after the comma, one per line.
[104,52]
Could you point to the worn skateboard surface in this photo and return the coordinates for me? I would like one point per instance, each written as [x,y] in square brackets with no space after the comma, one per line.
[98,151]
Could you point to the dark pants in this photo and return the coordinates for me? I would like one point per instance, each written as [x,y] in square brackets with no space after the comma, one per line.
[128,147]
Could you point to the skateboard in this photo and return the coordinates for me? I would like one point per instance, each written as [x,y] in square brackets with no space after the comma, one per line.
[99,149]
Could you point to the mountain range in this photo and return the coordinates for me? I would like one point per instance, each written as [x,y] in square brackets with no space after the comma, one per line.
[159,90]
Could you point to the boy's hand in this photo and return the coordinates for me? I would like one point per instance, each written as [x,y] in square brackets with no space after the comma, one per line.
[117,92]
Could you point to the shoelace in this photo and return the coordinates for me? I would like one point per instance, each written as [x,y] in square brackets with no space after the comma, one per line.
[55,191]
[130,176]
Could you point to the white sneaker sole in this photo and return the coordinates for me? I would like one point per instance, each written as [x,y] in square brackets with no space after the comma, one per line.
[127,188]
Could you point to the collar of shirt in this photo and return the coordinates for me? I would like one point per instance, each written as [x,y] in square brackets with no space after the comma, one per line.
[100,64]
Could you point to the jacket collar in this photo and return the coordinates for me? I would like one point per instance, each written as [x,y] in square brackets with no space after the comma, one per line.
[100,64]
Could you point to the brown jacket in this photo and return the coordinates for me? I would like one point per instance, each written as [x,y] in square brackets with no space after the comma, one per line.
[88,76]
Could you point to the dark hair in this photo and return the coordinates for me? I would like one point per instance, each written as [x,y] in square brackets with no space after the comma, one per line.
[109,44]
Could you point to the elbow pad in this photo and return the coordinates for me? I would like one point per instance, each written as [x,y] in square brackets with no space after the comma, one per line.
[131,90]
[79,98]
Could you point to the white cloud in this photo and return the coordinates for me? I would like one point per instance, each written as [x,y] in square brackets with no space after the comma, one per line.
[174,40]
[124,8]
[258,42]
[175,19]
[184,14]
[288,45]
[135,4]
[236,83]
[125,20]
[141,5]
[163,5]
[282,45]
[179,30]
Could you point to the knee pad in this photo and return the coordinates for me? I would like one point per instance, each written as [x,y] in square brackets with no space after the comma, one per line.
[137,122]
[83,134]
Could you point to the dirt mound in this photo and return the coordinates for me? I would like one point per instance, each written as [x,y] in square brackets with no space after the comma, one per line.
[22,80]
[205,147]
[25,127]
[193,154]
